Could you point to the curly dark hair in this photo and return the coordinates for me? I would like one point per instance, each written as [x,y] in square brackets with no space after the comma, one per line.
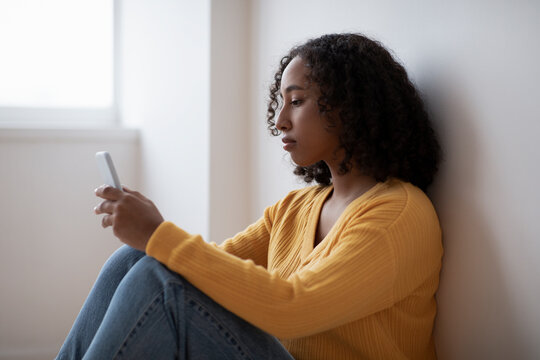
[386,131]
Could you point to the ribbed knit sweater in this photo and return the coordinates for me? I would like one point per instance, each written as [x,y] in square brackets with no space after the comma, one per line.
[365,292]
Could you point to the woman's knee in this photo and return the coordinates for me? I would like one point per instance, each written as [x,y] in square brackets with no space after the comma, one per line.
[149,270]
[127,253]
[122,260]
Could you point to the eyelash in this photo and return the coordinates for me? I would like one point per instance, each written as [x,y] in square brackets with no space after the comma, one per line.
[296,102]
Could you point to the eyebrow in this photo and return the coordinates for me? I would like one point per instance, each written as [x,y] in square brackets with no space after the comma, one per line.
[292,88]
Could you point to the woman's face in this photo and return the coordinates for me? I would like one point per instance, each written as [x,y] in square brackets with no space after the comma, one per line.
[305,130]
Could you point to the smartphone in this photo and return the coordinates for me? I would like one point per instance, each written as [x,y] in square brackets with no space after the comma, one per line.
[107,170]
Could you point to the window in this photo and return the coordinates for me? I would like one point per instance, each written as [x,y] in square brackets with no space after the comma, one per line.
[57,61]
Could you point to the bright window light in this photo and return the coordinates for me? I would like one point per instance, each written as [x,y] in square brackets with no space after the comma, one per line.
[57,54]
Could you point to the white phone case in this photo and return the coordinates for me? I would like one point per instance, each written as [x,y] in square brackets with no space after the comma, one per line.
[107,170]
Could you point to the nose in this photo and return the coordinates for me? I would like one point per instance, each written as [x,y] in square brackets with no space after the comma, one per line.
[283,123]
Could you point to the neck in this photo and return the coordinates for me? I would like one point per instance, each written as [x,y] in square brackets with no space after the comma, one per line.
[351,185]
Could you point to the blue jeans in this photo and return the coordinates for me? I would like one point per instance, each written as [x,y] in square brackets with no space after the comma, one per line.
[138,309]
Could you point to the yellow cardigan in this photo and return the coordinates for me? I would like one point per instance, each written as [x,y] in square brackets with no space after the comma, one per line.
[365,292]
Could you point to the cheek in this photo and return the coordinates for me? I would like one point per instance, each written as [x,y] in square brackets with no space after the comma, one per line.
[311,122]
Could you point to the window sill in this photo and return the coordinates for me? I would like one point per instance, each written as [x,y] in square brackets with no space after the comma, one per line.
[59,134]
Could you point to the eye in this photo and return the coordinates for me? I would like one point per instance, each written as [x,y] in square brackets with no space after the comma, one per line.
[296,102]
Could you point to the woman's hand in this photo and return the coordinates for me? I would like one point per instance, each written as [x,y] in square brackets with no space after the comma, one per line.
[132,216]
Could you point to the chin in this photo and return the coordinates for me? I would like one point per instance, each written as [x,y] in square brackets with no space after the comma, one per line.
[303,163]
[303,160]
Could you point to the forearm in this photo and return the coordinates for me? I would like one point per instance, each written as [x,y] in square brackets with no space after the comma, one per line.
[287,308]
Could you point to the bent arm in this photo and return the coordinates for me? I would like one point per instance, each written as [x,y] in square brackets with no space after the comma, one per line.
[252,243]
[355,281]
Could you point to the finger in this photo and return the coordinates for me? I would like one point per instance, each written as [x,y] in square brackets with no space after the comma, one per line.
[105,207]
[133,192]
[107,221]
[108,192]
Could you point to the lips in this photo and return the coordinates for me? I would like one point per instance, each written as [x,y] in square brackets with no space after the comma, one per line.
[287,140]
[288,143]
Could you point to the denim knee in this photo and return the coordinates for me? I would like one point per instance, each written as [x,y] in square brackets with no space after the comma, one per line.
[121,261]
[126,253]
[149,269]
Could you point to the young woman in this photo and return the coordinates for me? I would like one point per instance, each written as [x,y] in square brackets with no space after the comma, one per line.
[345,269]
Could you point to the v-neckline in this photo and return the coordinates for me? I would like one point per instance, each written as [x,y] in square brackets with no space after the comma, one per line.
[308,245]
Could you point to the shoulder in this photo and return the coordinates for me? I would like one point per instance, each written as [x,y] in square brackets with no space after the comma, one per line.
[303,195]
[402,216]
[407,216]
[297,201]
[416,207]
[396,203]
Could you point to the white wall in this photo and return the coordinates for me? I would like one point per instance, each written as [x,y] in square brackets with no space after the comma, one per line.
[229,124]
[477,63]
[165,47]
[52,243]
[184,84]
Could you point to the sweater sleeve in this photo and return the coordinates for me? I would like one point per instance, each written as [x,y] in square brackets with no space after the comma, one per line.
[252,243]
[354,281]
